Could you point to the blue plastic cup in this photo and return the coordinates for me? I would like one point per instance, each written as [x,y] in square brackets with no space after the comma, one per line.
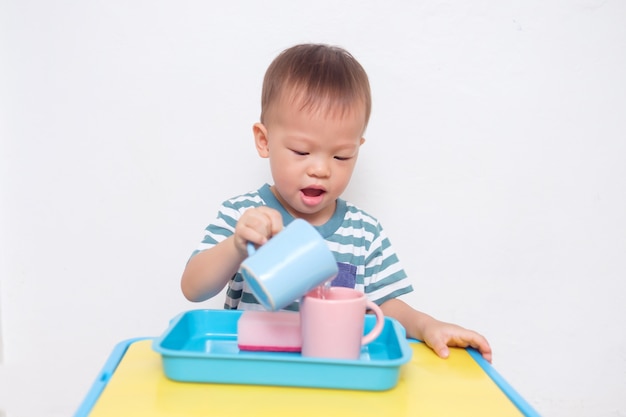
[288,266]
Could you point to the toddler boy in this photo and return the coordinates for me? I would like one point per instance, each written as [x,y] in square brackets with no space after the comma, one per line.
[315,108]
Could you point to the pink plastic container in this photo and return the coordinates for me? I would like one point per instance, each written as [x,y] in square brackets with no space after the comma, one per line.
[269,331]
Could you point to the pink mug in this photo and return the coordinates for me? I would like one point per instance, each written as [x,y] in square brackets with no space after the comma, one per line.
[332,320]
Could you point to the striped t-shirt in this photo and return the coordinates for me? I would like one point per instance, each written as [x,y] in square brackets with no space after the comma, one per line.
[364,255]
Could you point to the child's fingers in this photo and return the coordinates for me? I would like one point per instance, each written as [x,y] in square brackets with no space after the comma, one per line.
[442,351]
[274,218]
[479,342]
[440,346]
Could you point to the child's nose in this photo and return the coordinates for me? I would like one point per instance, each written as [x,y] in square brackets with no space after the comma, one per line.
[319,168]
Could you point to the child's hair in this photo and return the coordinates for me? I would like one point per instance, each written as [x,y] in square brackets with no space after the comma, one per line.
[316,77]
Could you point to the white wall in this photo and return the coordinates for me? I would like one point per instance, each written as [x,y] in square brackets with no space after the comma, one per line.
[495,160]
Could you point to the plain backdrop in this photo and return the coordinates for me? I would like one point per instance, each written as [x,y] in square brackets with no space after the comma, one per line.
[495,160]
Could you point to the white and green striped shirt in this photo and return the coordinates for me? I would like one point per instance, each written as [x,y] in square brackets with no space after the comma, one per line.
[364,255]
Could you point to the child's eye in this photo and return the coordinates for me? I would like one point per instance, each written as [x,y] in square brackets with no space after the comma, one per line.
[299,152]
[342,158]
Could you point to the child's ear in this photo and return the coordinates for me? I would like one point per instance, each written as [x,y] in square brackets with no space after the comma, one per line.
[260,140]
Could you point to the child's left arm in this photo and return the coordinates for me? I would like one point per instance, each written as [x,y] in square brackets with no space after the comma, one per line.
[438,335]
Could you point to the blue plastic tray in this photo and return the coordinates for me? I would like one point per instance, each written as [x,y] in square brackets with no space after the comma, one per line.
[201,346]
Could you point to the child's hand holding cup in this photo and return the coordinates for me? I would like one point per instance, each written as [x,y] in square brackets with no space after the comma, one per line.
[288,266]
[295,264]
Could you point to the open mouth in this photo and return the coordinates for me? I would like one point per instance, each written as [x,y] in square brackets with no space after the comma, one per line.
[312,192]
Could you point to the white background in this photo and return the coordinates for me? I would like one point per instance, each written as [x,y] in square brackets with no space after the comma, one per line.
[495,159]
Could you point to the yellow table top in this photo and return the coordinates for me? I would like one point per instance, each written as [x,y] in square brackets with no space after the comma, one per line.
[428,386]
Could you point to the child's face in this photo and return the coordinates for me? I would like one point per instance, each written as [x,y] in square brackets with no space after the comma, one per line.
[312,156]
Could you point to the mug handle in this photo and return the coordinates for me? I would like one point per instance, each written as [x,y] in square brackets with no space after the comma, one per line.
[251,248]
[380,323]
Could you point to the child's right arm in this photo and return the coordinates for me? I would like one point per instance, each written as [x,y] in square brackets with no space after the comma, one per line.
[207,272]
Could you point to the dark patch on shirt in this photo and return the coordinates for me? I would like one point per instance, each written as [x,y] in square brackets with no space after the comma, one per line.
[346,276]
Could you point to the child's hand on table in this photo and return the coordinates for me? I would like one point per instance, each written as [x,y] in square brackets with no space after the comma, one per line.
[439,335]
